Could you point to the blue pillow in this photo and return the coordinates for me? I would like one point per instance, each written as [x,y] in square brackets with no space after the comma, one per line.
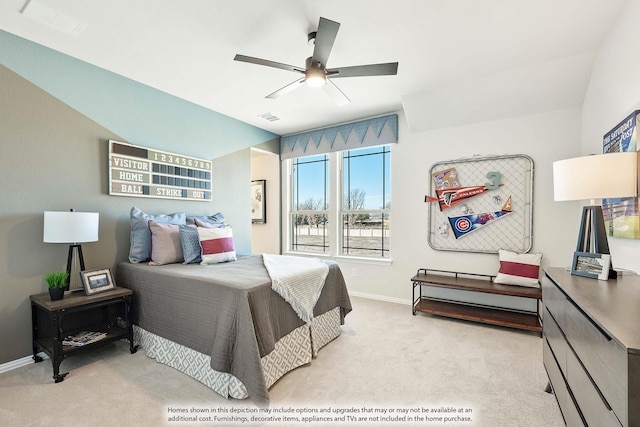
[217,219]
[140,239]
[190,244]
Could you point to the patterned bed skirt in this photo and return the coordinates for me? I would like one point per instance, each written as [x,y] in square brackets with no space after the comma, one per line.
[291,351]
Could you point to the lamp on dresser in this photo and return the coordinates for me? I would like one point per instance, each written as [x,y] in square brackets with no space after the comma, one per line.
[73,228]
[600,176]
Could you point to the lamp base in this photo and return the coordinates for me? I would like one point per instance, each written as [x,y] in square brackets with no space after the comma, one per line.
[70,262]
[592,236]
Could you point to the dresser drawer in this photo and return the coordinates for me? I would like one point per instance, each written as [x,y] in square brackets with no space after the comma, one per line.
[554,300]
[567,406]
[556,340]
[605,361]
[595,410]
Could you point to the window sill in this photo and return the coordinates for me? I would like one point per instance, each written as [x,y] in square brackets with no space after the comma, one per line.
[345,258]
[307,254]
[364,260]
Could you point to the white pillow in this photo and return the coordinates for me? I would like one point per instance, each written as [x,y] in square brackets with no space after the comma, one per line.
[519,269]
[217,245]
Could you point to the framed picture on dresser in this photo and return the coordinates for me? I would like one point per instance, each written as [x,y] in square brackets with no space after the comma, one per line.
[594,266]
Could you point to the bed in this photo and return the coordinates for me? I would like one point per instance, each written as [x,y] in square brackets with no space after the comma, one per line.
[225,326]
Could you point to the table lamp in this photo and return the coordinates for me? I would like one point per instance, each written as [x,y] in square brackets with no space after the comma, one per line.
[73,228]
[600,176]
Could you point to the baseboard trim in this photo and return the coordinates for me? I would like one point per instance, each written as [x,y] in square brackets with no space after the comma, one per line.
[19,363]
[380,297]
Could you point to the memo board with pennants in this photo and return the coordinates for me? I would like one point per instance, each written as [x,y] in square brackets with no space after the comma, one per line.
[142,172]
[481,204]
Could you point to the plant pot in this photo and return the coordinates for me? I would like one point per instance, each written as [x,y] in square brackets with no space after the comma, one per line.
[56,293]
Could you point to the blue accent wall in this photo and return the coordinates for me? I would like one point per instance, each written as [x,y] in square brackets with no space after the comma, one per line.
[139,114]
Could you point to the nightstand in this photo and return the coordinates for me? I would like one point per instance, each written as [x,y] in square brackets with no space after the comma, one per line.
[52,321]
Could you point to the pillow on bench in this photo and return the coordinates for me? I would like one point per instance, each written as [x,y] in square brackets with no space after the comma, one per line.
[518,269]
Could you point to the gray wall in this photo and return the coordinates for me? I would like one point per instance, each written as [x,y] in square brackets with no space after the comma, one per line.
[54,158]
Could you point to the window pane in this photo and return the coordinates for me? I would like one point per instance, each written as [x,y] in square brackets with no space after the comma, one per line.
[310,193]
[366,179]
[311,183]
[310,233]
[366,234]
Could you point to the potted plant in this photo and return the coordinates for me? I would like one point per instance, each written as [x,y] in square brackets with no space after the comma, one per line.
[57,282]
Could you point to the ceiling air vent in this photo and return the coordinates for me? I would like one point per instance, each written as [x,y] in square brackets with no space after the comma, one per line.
[268,116]
[53,18]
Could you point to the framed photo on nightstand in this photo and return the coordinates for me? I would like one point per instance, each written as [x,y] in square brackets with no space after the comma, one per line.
[96,281]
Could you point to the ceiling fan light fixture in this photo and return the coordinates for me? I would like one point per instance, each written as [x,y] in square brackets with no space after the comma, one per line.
[315,78]
[315,71]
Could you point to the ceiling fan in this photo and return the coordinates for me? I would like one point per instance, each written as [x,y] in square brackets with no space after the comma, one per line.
[316,73]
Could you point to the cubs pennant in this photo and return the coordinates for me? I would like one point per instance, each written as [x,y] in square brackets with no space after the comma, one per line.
[449,197]
[465,224]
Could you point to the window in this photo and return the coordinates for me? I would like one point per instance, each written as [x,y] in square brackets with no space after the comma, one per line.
[352,221]
[366,202]
[310,204]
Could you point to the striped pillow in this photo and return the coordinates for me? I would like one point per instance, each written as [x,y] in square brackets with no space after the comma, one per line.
[217,245]
[519,269]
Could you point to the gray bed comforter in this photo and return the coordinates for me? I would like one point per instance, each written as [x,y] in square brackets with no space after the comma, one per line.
[228,311]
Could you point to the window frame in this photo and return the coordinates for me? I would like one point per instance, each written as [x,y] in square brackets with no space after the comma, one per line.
[334,213]
[291,212]
[383,212]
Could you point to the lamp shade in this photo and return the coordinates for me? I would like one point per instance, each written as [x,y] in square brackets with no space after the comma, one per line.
[598,176]
[70,227]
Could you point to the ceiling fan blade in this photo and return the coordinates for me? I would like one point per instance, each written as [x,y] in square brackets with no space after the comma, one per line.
[388,69]
[336,94]
[267,63]
[325,37]
[284,90]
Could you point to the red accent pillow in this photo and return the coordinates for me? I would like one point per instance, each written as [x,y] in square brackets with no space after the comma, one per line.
[519,269]
[217,245]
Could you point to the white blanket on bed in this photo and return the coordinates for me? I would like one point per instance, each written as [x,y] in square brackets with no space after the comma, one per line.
[297,280]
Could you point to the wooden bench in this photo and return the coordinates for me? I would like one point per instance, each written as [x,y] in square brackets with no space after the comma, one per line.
[475,312]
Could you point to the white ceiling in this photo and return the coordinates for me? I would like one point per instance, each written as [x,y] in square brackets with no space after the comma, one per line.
[186,49]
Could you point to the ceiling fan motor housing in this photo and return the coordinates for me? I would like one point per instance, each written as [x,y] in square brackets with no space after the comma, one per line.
[311,38]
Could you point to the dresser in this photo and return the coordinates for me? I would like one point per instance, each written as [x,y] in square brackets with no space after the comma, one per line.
[591,347]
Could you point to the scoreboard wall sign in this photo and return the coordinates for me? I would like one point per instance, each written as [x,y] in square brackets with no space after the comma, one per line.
[141,172]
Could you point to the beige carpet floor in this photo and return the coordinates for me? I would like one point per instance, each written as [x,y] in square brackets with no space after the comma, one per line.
[386,359]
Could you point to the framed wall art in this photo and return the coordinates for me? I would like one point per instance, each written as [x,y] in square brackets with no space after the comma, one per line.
[622,214]
[136,171]
[259,201]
